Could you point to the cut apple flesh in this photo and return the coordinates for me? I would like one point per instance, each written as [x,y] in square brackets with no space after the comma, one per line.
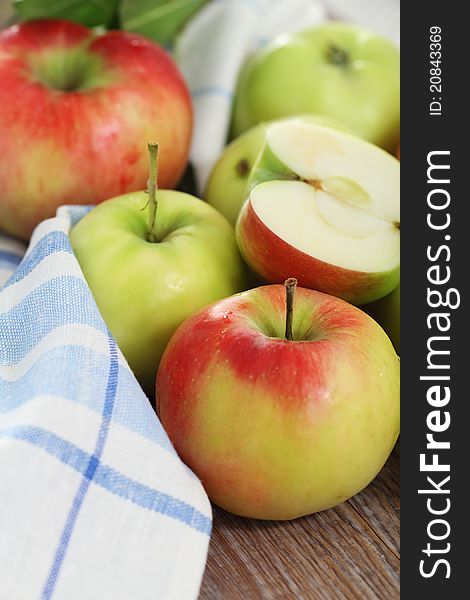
[341,204]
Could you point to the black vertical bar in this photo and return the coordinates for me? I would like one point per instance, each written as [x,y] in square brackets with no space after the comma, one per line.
[426,245]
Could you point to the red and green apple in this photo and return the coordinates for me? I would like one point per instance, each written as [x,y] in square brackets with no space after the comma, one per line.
[76,107]
[324,207]
[280,411]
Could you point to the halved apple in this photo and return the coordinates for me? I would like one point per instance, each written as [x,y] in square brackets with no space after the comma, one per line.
[324,207]
[227,186]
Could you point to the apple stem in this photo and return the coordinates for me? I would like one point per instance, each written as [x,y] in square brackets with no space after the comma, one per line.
[152,189]
[290,285]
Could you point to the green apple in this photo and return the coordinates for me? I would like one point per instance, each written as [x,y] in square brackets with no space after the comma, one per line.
[147,277]
[280,416]
[227,182]
[226,188]
[338,70]
[324,207]
[386,312]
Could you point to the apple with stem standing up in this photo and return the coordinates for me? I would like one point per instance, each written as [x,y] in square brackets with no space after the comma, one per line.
[149,274]
[280,415]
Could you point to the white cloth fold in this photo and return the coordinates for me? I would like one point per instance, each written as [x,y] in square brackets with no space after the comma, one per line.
[94,501]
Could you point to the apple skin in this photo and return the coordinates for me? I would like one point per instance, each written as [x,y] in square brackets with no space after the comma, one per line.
[364,95]
[277,429]
[84,146]
[226,188]
[386,312]
[274,260]
[146,290]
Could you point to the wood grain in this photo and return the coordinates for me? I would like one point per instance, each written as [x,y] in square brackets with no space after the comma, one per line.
[350,552]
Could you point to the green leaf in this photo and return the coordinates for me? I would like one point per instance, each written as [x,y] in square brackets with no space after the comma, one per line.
[87,12]
[159,20]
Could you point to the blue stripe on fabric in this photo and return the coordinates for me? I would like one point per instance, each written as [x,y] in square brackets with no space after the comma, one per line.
[53,307]
[132,409]
[151,499]
[10,258]
[76,212]
[111,389]
[64,540]
[212,90]
[89,473]
[56,241]
[41,380]
[112,480]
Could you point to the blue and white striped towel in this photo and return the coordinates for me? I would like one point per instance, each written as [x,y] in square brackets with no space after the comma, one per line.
[94,502]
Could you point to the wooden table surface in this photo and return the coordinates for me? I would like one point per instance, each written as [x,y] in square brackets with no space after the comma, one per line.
[349,552]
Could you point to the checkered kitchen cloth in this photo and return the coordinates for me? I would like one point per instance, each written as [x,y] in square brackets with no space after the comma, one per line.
[94,502]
